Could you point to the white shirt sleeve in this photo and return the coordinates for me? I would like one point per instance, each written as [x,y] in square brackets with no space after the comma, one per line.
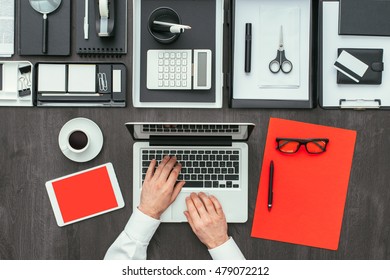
[227,251]
[132,243]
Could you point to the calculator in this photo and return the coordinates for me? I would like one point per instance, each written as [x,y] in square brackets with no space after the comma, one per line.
[171,69]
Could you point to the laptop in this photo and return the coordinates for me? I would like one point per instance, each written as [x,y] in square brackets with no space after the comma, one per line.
[214,158]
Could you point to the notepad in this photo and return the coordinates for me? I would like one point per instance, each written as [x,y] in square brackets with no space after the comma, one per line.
[309,191]
[82,78]
[51,78]
[85,194]
[271,20]
[7,30]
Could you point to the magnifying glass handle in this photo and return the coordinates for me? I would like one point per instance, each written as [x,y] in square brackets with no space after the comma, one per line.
[44,36]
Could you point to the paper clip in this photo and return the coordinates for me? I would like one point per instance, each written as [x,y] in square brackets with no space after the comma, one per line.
[103,85]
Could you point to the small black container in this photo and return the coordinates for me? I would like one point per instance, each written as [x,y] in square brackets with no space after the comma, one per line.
[159,32]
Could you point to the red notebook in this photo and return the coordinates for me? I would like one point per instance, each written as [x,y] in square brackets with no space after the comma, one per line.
[309,191]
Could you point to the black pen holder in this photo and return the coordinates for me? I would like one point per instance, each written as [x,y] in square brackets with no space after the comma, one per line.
[162,33]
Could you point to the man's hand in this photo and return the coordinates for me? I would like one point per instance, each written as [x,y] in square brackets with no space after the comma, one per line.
[207,220]
[160,189]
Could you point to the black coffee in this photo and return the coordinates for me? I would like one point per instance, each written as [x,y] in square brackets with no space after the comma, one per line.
[78,140]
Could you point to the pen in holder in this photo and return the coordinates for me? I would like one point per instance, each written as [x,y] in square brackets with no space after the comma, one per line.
[165,26]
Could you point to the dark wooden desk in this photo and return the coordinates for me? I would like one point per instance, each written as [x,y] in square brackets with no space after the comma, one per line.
[29,156]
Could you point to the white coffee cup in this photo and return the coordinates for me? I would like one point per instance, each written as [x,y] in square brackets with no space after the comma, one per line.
[77,141]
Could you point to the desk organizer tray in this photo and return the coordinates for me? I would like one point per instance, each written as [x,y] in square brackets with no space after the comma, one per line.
[260,88]
[80,84]
[333,95]
[16,83]
[206,18]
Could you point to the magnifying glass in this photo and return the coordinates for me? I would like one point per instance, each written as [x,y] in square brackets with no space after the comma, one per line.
[45,7]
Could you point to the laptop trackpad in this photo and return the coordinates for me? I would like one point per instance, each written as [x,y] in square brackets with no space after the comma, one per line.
[166,216]
[178,207]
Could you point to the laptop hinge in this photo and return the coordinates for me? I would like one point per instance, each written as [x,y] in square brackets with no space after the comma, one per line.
[190,141]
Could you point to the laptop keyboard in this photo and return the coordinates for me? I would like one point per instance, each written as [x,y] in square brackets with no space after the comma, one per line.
[208,168]
[191,128]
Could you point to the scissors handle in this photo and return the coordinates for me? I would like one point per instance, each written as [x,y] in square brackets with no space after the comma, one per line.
[285,64]
[274,66]
[280,63]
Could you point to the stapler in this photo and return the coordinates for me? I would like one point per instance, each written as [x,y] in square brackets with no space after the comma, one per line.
[105,17]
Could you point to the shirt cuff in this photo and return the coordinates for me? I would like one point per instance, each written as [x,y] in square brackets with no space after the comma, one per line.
[141,227]
[227,251]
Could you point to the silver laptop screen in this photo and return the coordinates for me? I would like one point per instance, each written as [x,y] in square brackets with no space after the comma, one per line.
[238,131]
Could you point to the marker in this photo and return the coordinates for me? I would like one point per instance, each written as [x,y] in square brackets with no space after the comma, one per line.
[270,185]
[248,47]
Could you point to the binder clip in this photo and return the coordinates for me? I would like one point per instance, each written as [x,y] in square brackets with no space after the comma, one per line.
[25,72]
[105,17]
[24,88]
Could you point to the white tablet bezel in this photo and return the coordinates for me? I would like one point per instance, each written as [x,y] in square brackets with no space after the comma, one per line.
[54,202]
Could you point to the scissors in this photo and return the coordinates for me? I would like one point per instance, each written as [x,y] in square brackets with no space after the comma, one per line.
[280,62]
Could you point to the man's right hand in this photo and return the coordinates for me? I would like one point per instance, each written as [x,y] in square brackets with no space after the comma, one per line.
[160,188]
[207,220]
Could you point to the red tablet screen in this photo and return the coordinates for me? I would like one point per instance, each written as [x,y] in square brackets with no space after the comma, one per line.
[85,194]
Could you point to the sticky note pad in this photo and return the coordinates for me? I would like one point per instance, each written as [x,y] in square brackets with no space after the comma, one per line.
[51,78]
[81,78]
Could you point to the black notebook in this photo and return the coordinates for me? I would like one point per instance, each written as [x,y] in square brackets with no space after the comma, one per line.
[95,45]
[31,30]
[364,17]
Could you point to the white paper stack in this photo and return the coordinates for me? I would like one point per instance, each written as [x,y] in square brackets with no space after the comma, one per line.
[7,27]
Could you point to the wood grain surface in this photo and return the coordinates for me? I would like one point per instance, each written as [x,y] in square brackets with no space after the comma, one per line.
[29,156]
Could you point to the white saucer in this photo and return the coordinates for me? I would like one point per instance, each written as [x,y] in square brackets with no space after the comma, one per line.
[95,138]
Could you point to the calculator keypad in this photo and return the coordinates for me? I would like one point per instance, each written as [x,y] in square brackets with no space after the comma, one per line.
[169,69]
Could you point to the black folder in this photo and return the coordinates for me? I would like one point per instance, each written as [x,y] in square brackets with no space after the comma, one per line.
[364,17]
[31,30]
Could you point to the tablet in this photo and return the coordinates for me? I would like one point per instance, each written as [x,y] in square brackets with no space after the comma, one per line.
[84,194]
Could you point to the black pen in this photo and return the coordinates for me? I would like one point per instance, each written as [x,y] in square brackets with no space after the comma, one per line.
[248,47]
[270,184]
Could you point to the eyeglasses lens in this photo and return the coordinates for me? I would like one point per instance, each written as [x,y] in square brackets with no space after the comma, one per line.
[288,147]
[316,147]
